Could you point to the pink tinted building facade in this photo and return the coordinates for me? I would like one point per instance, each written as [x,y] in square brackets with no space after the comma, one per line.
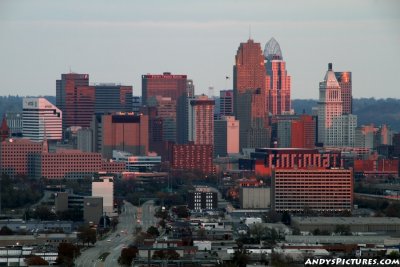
[279,82]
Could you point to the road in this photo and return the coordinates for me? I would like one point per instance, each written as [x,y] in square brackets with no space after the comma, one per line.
[113,243]
[122,237]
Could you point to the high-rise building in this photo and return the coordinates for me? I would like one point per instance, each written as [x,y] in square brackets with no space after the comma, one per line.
[201,120]
[330,106]
[111,97]
[303,132]
[297,190]
[344,80]
[14,122]
[41,119]
[202,200]
[365,136]
[396,144]
[136,103]
[226,136]
[226,103]
[4,130]
[190,88]
[249,86]
[174,86]
[120,131]
[278,89]
[104,187]
[165,111]
[76,99]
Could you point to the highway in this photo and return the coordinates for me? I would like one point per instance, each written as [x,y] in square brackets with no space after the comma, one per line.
[122,237]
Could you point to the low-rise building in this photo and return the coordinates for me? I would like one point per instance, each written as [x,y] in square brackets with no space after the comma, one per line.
[255,197]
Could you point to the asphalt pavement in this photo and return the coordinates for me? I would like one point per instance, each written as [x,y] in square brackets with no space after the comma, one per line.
[129,219]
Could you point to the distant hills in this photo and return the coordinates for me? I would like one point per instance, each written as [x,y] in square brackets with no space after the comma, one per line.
[368,110]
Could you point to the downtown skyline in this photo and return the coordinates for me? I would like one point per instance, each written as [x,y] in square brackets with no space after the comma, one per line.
[120,42]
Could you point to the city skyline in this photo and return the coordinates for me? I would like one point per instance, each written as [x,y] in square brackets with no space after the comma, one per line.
[119,43]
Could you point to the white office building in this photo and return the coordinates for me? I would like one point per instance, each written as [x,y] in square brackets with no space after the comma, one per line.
[41,119]
[104,187]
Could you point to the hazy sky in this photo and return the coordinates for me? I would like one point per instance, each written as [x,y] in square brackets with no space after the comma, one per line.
[118,41]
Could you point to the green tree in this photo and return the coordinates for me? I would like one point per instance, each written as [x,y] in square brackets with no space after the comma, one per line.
[153,231]
[127,255]
[257,230]
[67,252]
[87,235]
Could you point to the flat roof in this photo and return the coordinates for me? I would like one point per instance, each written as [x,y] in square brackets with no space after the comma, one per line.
[347,220]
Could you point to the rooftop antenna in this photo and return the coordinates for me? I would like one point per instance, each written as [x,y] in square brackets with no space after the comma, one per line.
[249,31]
[211,92]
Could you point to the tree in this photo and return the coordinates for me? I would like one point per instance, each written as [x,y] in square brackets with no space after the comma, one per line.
[286,218]
[241,257]
[166,255]
[201,234]
[127,255]
[35,260]
[316,231]
[87,235]
[257,230]
[6,231]
[67,252]
[342,229]
[182,212]
[153,231]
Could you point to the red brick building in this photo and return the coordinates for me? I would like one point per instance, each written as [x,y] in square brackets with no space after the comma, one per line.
[192,157]
[15,155]
[378,167]
[72,164]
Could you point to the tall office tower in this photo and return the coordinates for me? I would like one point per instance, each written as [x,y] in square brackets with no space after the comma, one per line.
[4,130]
[111,97]
[190,88]
[14,121]
[396,144]
[175,87]
[41,120]
[226,136]
[330,106]
[76,99]
[303,132]
[384,135]
[249,86]
[192,157]
[226,102]
[120,131]
[136,103]
[165,110]
[104,187]
[201,120]
[346,125]
[278,89]
[344,80]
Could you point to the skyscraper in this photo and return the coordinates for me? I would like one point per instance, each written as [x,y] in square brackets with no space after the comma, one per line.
[344,80]
[41,119]
[278,84]
[249,86]
[76,99]
[330,106]
[174,86]
[201,120]
[111,97]
[226,136]
[226,102]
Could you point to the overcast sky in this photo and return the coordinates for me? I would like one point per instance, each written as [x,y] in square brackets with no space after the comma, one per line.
[118,41]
